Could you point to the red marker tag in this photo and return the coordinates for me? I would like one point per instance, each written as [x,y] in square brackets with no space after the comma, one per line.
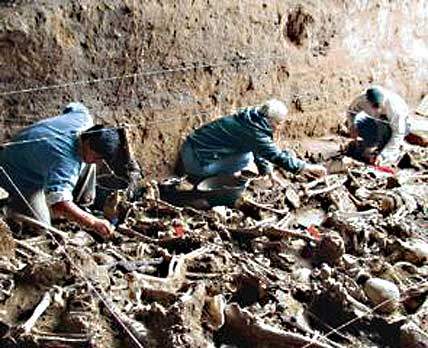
[179,230]
[314,232]
[385,169]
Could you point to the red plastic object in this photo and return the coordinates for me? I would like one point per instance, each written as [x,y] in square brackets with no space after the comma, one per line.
[179,230]
[314,232]
[385,169]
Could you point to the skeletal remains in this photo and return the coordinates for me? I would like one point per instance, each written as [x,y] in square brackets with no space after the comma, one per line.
[337,262]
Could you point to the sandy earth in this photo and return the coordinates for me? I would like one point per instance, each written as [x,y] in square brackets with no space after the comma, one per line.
[192,61]
[167,67]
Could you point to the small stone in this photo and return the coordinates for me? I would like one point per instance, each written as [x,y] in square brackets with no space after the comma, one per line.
[82,239]
[7,243]
[331,248]
[415,250]
[215,309]
[349,261]
[3,194]
[411,336]
[302,275]
[292,197]
[325,271]
[382,291]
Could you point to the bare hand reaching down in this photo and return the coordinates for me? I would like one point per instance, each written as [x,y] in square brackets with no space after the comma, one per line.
[102,227]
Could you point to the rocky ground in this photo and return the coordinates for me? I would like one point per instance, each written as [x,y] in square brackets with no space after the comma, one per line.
[336,262]
[340,262]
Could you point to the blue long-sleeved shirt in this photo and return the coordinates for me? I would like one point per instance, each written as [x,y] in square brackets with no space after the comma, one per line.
[45,156]
[245,131]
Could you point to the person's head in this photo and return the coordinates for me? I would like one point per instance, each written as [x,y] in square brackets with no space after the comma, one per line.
[375,97]
[275,111]
[99,143]
[75,107]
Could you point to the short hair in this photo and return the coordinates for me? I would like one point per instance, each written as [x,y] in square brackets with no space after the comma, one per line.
[104,141]
[75,107]
[375,96]
[274,109]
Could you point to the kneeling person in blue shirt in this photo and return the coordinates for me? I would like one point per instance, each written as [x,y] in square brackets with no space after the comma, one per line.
[229,144]
[45,162]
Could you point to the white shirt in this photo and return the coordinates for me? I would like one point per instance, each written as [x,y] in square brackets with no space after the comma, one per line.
[394,110]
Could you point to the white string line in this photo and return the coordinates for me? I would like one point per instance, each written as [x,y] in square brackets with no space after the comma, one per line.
[149,123]
[154,72]
[144,73]
[197,66]
[82,274]
[167,120]
[23,142]
[315,7]
[301,98]
[245,16]
[337,329]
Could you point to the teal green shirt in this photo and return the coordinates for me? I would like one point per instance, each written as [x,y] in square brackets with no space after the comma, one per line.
[247,130]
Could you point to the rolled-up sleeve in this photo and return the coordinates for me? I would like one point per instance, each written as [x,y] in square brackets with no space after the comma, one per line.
[61,180]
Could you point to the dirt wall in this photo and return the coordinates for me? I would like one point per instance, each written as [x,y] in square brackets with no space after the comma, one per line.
[168,66]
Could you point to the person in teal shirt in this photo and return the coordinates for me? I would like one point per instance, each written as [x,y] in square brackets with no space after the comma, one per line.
[230,143]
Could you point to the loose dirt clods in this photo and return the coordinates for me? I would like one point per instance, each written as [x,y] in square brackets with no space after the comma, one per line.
[336,262]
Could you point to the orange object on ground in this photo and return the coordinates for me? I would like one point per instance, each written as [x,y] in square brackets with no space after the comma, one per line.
[314,232]
[384,169]
[179,230]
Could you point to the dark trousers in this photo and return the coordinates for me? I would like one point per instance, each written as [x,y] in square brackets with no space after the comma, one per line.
[375,133]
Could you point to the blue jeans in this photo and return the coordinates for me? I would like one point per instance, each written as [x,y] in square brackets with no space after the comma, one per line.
[374,132]
[225,166]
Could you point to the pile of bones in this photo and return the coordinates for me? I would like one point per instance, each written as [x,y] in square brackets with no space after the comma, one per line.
[335,262]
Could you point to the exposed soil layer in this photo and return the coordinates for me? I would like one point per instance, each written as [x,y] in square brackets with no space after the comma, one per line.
[341,261]
[289,262]
[186,62]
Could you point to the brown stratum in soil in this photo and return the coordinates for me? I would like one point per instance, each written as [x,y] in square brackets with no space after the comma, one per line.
[283,268]
[315,55]
[289,263]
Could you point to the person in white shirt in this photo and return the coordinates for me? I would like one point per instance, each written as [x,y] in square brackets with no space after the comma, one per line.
[380,118]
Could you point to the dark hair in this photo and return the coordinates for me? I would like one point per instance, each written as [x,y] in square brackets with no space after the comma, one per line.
[104,141]
[374,96]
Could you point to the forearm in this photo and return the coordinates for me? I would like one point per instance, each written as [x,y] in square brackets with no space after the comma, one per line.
[391,151]
[359,104]
[284,159]
[71,211]
[289,162]
[349,121]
